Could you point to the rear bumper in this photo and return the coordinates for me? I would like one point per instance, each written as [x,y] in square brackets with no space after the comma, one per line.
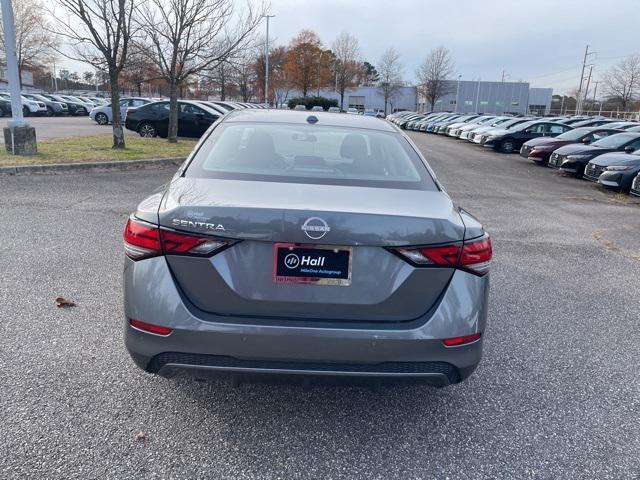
[235,344]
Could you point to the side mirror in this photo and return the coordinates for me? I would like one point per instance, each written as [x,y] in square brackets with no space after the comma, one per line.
[586,140]
[629,149]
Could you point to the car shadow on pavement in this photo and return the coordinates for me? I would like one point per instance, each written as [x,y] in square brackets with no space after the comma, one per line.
[321,417]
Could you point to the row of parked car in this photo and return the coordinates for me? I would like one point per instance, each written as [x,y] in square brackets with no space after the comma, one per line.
[103,114]
[601,150]
[151,119]
[49,105]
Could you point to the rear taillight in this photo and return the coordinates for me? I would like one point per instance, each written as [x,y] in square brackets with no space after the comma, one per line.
[476,255]
[473,255]
[143,240]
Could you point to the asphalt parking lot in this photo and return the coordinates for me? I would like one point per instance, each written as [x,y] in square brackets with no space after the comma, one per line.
[556,396]
[58,127]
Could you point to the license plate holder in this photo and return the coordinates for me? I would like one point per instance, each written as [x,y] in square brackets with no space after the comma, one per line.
[312,264]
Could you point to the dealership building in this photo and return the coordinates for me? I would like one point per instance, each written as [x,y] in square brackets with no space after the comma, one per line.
[469,96]
[491,97]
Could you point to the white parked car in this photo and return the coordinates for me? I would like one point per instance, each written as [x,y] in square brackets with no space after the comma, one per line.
[29,107]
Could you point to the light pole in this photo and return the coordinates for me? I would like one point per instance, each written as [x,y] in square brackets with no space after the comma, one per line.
[458,93]
[19,137]
[266,64]
[55,78]
[478,94]
[319,63]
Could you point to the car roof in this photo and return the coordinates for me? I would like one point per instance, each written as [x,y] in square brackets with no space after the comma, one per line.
[300,118]
[597,129]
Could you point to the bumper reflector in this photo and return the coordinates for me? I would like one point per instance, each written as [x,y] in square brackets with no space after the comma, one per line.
[455,341]
[148,327]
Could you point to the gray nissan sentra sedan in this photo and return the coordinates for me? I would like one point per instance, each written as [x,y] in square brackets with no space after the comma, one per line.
[307,244]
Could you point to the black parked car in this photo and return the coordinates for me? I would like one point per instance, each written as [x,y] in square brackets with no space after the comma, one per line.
[152,119]
[508,141]
[5,107]
[593,122]
[53,107]
[574,158]
[614,170]
[74,108]
[635,186]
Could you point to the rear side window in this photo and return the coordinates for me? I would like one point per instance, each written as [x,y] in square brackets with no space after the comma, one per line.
[310,154]
[161,107]
[557,128]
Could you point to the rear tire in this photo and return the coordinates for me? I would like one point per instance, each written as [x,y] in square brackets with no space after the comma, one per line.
[147,130]
[25,111]
[102,119]
[507,146]
[50,112]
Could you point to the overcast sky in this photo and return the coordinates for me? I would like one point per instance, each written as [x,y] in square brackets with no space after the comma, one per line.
[540,41]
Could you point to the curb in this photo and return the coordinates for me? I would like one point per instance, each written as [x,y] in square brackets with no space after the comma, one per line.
[85,167]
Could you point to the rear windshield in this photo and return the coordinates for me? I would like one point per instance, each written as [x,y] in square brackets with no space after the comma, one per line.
[615,141]
[310,154]
[574,134]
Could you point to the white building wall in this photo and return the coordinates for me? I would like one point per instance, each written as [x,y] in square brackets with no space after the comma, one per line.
[27,78]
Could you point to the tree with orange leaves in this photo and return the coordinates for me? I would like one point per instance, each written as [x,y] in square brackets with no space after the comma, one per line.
[307,64]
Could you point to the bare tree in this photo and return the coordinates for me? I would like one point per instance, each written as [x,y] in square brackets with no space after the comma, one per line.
[433,75]
[390,76]
[244,75]
[622,82]
[98,32]
[347,66]
[35,46]
[186,37]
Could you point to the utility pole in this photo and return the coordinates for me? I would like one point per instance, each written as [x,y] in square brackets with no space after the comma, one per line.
[478,95]
[586,90]
[19,137]
[595,89]
[504,75]
[266,64]
[584,65]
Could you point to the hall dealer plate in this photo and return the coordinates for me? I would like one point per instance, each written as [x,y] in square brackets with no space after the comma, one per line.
[316,264]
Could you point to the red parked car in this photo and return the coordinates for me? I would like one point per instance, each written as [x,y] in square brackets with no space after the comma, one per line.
[539,149]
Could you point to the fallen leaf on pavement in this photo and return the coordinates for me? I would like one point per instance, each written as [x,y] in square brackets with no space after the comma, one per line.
[62,302]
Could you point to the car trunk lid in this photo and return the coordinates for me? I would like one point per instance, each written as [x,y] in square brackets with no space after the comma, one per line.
[241,280]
